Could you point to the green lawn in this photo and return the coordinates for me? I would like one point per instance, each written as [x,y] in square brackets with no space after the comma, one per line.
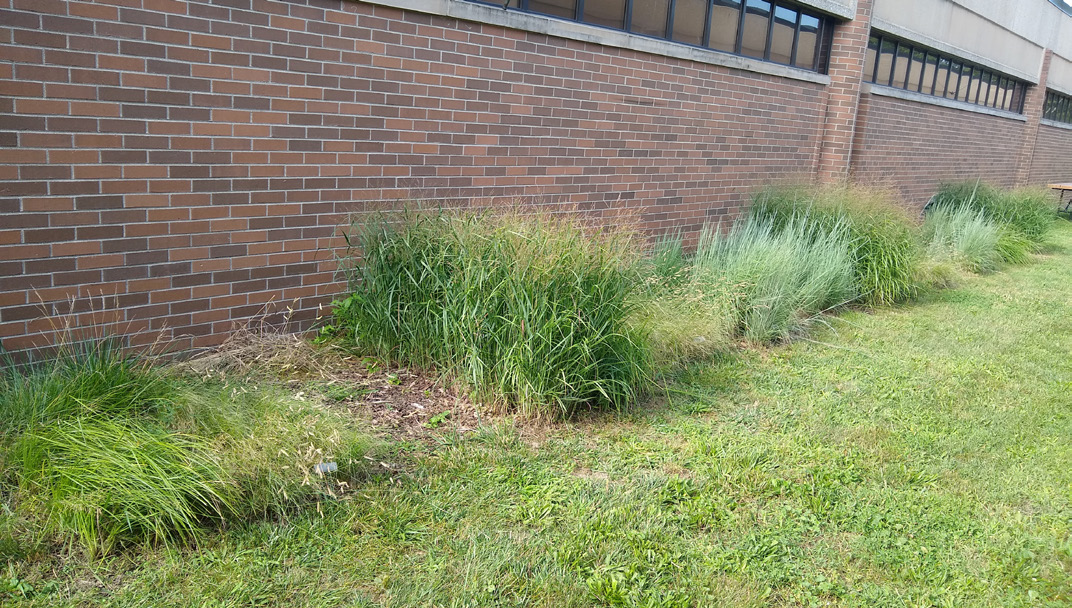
[916,456]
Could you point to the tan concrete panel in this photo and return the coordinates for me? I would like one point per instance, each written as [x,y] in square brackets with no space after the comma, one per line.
[1060,78]
[979,36]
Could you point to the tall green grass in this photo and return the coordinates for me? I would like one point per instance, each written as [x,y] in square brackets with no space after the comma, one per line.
[964,236]
[530,312]
[683,320]
[882,236]
[103,483]
[1030,211]
[83,378]
[105,449]
[775,277]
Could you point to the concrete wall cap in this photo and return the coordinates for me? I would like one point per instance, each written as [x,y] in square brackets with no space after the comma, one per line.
[1055,124]
[885,91]
[583,32]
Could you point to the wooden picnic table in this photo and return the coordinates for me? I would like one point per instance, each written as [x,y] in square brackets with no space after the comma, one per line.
[1062,188]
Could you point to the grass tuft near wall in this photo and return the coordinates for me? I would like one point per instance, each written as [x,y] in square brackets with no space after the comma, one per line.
[964,236]
[1028,211]
[531,312]
[101,450]
[775,277]
[882,236]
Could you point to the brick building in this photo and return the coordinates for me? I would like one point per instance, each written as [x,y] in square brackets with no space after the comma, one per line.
[192,160]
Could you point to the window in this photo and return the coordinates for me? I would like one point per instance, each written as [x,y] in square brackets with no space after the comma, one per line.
[1057,107]
[724,21]
[904,65]
[608,13]
[771,30]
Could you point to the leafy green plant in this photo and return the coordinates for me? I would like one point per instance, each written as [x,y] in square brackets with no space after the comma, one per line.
[531,312]
[882,236]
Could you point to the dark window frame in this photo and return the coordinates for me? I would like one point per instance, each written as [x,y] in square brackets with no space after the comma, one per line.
[820,54]
[985,87]
[1057,107]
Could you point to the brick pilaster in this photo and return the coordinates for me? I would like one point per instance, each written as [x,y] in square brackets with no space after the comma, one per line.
[847,57]
[1033,105]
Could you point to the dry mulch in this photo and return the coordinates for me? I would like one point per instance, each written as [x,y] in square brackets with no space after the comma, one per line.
[405,404]
[400,403]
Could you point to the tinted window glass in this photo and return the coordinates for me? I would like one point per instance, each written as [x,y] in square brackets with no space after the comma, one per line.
[942,81]
[885,61]
[930,69]
[783,34]
[900,66]
[689,17]
[725,16]
[608,13]
[649,17]
[756,24]
[871,58]
[807,41]
[558,8]
[915,70]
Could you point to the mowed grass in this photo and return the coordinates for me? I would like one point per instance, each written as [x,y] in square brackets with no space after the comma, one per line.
[914,456]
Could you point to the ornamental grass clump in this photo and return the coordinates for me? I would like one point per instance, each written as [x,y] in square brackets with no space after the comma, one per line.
[531,312]
[1028,213]
[883,244]
[964,236]
[81,378]
[775,278]
[102,449]
[101,483]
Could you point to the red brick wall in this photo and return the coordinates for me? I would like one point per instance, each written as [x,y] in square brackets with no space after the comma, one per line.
[847,54]
[915,146]
[193,159]
[1052,160]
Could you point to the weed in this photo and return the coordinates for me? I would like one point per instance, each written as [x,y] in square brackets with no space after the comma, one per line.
[87,378]
[104,483]
[105,449]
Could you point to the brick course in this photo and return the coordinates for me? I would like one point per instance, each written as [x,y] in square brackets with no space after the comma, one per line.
[1053,148]
[915,146]
[193,159]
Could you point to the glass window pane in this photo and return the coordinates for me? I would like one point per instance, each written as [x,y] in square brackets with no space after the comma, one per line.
[870,59]
[807,39]
[930,70]
[943,77]
[900,67]
[558,8]
[992,93]
[608,13]
[973,89]
[915,70]
[689,16]
[885,61]
[785,28]
[725,15]
[649,17]
[964,86]
[756,23]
